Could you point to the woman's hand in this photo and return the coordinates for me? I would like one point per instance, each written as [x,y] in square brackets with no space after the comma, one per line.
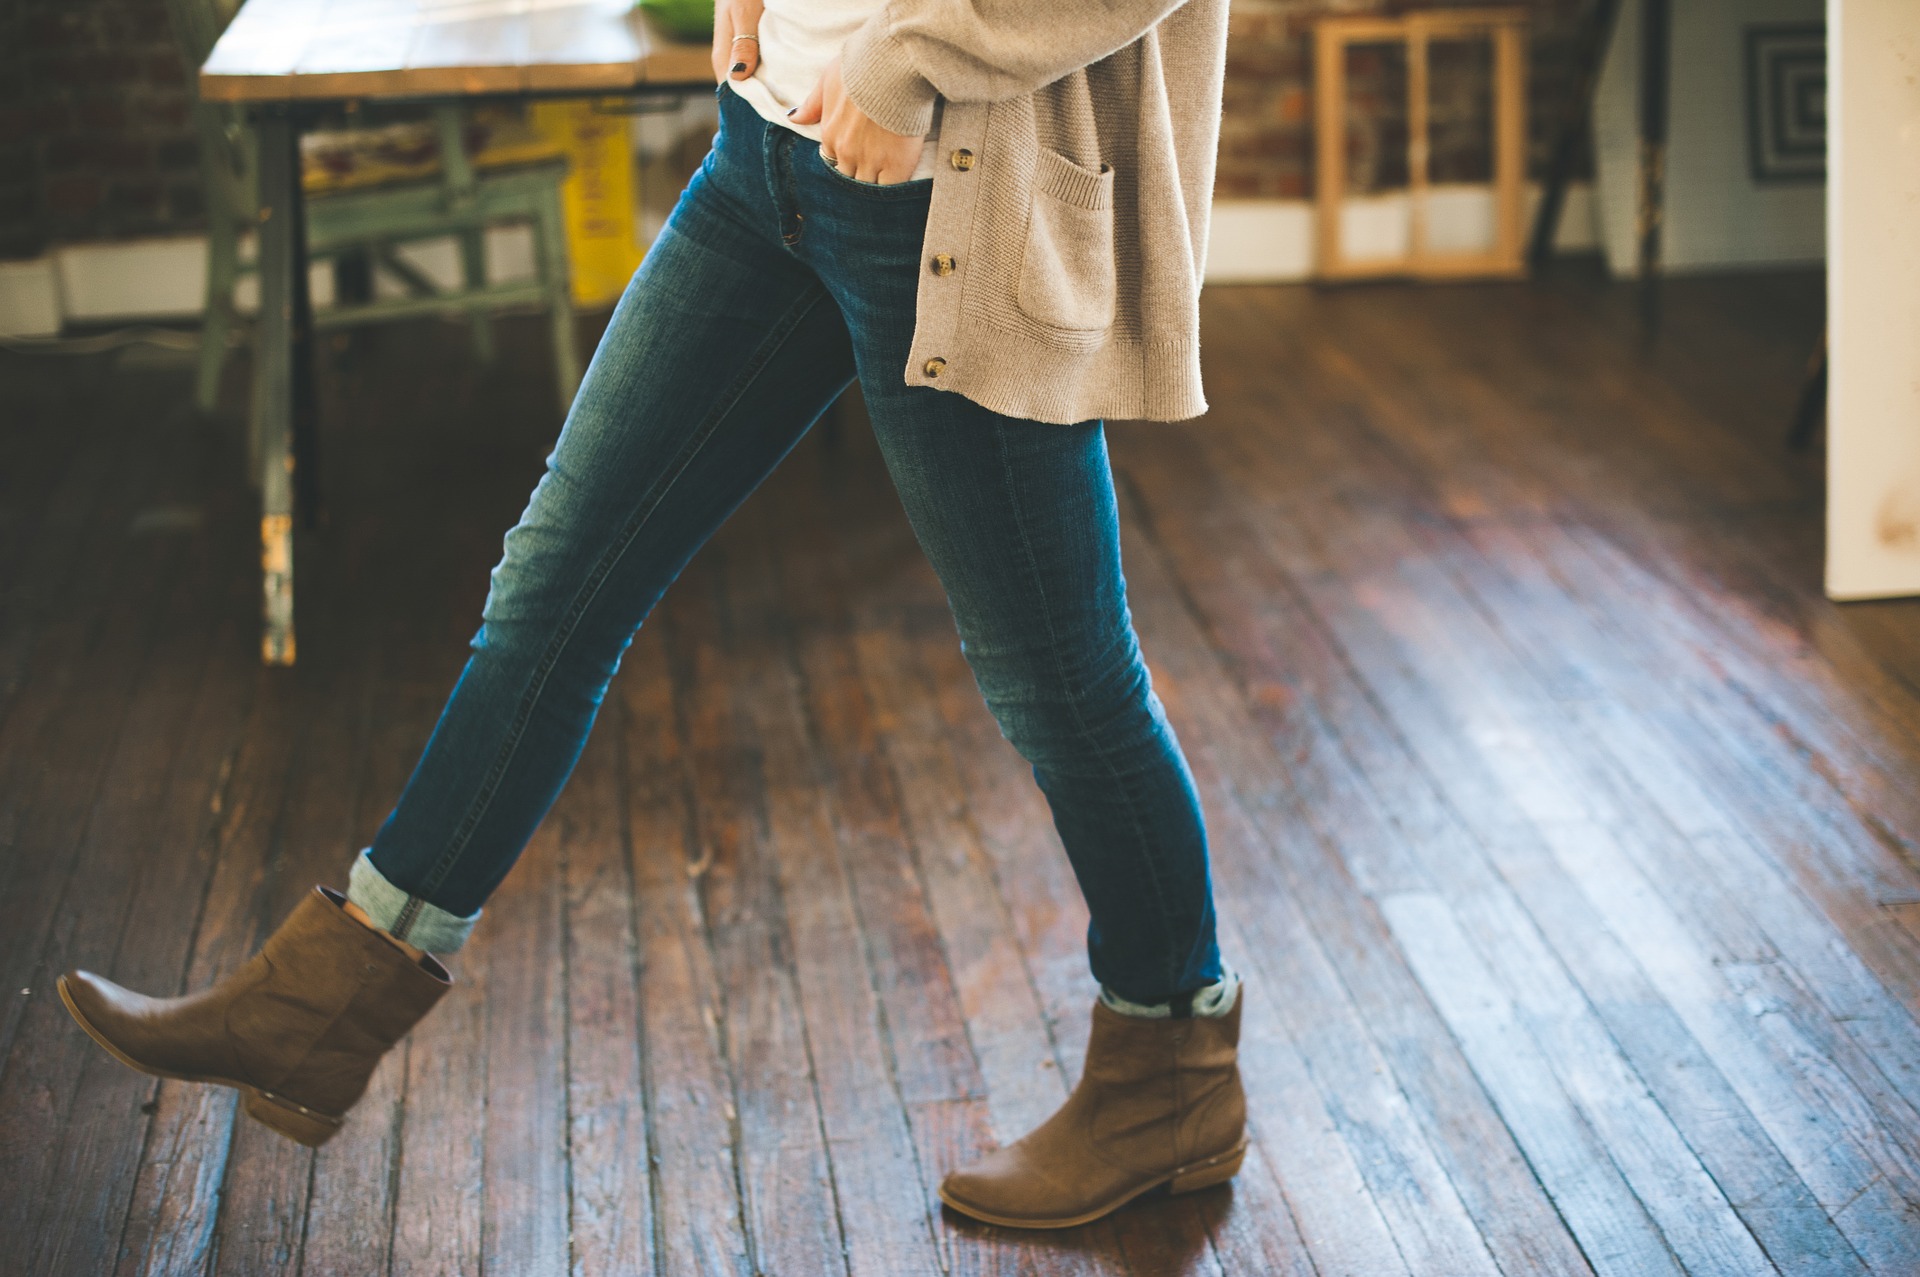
[736,39]
[851,142]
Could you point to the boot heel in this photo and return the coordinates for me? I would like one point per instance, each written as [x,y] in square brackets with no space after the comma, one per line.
[284,1117]
[1215,1170]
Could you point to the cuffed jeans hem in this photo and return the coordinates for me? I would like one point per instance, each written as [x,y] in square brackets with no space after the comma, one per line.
[431,928]
[1215,999]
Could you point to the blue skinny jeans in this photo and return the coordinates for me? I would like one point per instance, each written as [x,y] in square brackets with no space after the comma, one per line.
[776,282]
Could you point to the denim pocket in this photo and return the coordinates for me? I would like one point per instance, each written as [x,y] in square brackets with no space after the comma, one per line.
[912,186]
[1067,274]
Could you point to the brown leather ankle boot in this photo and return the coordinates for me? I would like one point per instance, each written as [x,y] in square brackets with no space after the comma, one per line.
[298,1029]
[1159,1104]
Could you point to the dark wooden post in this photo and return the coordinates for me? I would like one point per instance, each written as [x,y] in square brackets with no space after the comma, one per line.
[1655,30]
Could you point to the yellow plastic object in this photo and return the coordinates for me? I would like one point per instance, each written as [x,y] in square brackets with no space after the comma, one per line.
[598,197]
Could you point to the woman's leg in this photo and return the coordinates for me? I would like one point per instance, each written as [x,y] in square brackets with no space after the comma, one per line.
[1019,520]
[722,352]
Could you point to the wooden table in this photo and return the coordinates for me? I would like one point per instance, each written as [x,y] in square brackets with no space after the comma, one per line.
[282,57]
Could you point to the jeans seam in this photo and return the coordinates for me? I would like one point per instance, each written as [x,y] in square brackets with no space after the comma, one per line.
[584,598]
[1073,702]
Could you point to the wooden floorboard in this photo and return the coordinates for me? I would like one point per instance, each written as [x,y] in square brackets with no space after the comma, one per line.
[1566,835]
[1432,633]
[611,1202]
[77,679]
[699,1225]
[792,1214]
[143,853]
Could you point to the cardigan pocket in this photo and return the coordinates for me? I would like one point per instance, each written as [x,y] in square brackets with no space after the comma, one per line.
[1067,267]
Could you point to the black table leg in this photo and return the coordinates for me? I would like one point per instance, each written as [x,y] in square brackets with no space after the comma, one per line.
[1595,36]
[1656,25]
[1807,414]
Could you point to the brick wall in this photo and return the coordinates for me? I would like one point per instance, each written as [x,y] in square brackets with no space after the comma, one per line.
[95,141]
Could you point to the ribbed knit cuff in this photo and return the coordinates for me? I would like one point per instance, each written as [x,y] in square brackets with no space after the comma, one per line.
[431,928]
[1216,999]
[882,82]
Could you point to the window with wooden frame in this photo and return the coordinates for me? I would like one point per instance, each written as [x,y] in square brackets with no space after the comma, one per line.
[1416,33]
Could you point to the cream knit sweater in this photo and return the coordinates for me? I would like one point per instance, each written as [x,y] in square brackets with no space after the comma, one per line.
[1076,174]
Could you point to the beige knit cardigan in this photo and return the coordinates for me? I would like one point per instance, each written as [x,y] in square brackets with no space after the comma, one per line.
[1068,227]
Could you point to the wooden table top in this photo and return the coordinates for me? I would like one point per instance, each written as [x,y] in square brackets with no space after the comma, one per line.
[283,50]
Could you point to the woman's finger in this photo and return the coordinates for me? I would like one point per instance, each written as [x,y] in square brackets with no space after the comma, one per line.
[808,112]
[722,39]
[745,48]
[743,43]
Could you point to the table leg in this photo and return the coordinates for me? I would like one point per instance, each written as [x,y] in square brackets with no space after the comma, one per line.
[1575,126]
[1812,407]
[1656,23]
[280,257]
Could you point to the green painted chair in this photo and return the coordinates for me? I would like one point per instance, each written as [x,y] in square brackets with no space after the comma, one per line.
[369,191]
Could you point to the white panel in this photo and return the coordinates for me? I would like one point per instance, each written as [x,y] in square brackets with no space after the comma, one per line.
[149,278]
[1873,299]
[1460,219]
[29,299]
[510,253]
[1272,241]
[1373,227]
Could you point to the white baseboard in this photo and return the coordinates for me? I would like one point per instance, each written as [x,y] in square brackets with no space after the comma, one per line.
[29,299]
[1272,241]
[1252,241]
[160,279]
[132,279]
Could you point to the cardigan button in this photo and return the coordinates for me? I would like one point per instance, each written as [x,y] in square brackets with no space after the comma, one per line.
[942,264]
[961,159]
[933,366]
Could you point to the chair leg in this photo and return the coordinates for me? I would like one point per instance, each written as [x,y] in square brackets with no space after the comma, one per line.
[223,267]
[256,405]
[1808,413]
[550,231]
[473,267]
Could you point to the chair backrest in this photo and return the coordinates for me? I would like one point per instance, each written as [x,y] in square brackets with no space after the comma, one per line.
[226,141]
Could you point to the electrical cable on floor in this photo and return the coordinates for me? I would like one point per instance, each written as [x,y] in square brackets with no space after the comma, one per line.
[97,343]
[177,339]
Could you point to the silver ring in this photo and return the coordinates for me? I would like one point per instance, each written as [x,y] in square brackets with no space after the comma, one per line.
[737,39]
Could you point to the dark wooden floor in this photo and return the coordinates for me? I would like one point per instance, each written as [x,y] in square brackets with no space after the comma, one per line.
[1567,837]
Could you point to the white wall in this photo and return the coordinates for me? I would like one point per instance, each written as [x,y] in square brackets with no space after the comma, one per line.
[1716,215]
[1873,298]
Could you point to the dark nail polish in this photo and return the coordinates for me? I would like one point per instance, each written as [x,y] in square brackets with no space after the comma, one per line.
[739,66]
